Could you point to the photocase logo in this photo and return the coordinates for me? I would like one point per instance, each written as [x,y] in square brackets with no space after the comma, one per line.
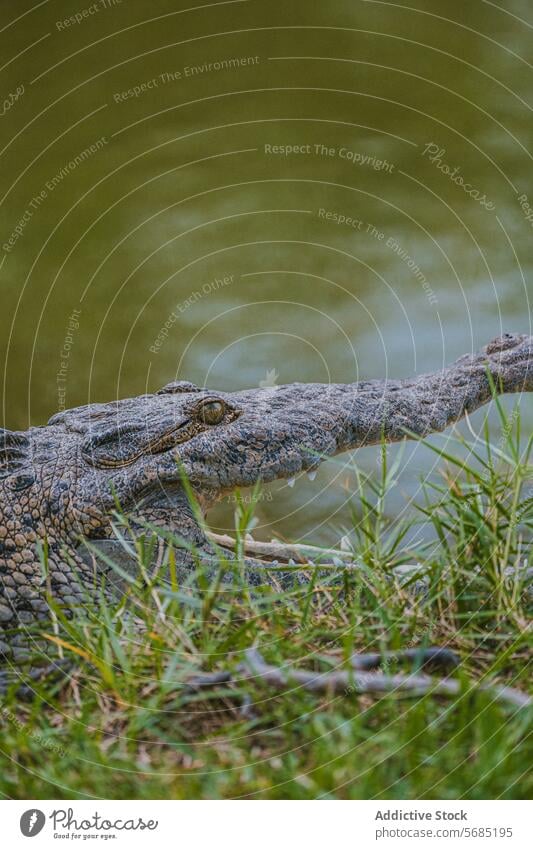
[32,822]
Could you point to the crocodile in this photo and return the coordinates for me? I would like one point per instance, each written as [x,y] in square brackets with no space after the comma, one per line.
[60,483]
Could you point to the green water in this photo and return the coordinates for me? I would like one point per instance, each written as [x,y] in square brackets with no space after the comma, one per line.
[260,191]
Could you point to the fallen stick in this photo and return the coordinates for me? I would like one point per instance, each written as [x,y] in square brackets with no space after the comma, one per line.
[435,656]
[283,551]
[308,554]
[374,683]
[345,682]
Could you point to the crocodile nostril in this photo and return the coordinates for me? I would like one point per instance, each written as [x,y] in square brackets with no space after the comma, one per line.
[502,343]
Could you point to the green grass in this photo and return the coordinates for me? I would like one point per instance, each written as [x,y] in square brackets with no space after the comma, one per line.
[124,726]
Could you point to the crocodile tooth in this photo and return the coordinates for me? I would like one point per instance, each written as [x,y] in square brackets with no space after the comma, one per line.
[311,475]
[291,481]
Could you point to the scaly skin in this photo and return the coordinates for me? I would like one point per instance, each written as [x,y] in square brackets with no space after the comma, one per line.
[58,483]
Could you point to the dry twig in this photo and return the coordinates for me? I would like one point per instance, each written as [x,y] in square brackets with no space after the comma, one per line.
[345,682]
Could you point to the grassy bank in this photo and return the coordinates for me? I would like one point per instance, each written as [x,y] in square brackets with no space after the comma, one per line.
[127,723]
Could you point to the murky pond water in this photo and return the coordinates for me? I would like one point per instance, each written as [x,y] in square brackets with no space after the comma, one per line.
[250,192]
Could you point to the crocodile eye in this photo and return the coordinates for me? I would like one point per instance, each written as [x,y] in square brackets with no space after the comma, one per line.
[212,412]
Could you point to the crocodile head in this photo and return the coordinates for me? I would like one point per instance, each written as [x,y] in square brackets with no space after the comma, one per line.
[134,452]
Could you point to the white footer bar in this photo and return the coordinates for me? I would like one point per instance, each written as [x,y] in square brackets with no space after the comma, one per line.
[267,824]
